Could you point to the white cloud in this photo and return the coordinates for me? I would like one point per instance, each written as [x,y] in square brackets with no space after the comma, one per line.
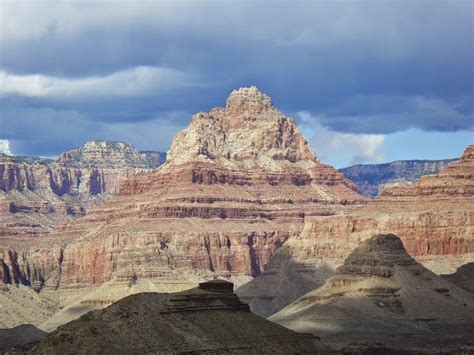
[5,146]
[345,148]
[138,81]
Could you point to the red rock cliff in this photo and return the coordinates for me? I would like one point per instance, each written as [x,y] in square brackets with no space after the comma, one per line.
[238,182]
[433,217]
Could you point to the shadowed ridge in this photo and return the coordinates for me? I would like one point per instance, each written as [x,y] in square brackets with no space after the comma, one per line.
[206,319]
[463,277]
[19,337]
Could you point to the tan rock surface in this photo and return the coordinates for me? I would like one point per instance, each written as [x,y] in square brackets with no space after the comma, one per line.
[433,217]
[22,305]
[381,298]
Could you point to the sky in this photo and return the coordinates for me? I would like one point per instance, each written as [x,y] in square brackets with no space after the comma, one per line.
[366,81]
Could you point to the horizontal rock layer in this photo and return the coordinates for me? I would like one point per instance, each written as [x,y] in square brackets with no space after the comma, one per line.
[382,300]
[433,217]
[206,319]
[205,212]
[372,179]
[36,194]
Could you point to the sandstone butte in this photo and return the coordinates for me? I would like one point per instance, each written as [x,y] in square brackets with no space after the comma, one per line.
[381,301]
[237,184]
[434,218]
[37,193]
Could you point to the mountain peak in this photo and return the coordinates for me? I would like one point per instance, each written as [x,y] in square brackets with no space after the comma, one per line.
[248,132]
[468,154]
[249,98]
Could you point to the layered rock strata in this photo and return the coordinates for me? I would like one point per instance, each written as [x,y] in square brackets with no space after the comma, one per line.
[382,300]
[238,183]
[372,179]
[36,194]
[206,319]
[433,217]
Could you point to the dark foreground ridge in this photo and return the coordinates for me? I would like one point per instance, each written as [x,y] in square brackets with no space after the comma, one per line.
[463,277]
[206,319]
[20,337]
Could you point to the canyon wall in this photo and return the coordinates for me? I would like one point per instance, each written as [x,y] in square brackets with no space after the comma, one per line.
[36,194]
[382,301]
[237,184]
[433,217]
[372,179]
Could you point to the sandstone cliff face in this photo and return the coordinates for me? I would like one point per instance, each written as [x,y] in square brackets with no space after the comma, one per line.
[372,179]
[433,217]
[37,193]
[382,300]
[109,154]
[237,184]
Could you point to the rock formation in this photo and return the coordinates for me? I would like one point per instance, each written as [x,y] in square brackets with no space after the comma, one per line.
[382,300]
[434,218]
[17,340]
[22,305]
[208,319]
[372,179]
[237,183]
[36,194]
[463,277]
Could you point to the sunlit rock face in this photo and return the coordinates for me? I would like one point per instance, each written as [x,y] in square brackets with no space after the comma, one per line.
[434,218]
[37,193]
[237,184]
[381,300]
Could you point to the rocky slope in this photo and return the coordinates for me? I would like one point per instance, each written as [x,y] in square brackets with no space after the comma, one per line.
[434,218]
[238,183]
[36,194]
[382,300]
[19,338]
[20,304]
[372,179]
[208,319]
[463,277]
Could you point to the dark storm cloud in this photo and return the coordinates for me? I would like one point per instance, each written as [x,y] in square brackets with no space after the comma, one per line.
[68,129]
[388,114]
[359,67]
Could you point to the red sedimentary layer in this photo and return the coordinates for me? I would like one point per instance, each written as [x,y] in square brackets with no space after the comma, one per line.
[205,211]
[434,218]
